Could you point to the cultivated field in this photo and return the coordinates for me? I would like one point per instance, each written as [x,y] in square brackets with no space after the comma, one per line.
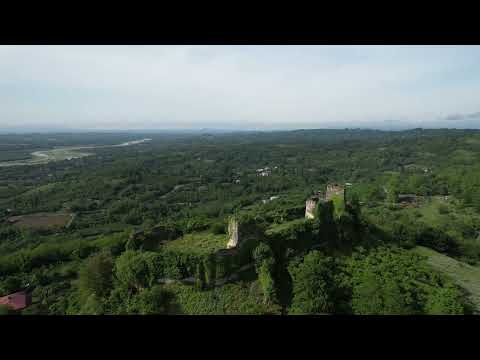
[41,220]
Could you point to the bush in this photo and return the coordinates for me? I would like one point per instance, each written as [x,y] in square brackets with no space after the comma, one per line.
[155,300]
[404,235]
[10,285]
[264,265]
[132,271]
[218,228]
[314,285]
[92,306]
[444,301]
[96,276]
[394,281]
[437,240]
[443,209]
[5,310]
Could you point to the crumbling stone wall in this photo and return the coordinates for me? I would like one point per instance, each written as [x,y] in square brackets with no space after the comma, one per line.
[334,190]
[310,207]
[233,236]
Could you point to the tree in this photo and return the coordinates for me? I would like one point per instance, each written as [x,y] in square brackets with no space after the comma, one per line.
[261,253]
[367,296]
[11,284]
[393,299]
[375,194]
[444,301]
[325,222]
[133,217]
[200,280]
[392,195]
[395,281]
[210,269]
[437,240]
[92,306]
[131,269]
[354,208]
[404,234]
[375,295]
[265,266]
[135,241]
[118,300]
[218,228]
[313,285]
[155,300]
[96,276]
[5,310]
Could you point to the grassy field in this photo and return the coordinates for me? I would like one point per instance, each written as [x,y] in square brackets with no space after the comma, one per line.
[279,228]
[447,215]
[430,211]
[198,243]
[41,220]
[39,189]
[464,275]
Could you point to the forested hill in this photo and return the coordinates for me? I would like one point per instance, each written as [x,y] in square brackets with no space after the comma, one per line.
[145,228]
[332,136]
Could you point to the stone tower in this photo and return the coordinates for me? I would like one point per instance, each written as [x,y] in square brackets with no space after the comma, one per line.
[311,205]
[334,190]
[233,239]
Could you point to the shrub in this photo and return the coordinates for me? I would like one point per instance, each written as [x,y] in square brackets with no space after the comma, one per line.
[5,310]
[395,281]
[313,285]
[443,209]
[444,301]
[131,269]
[264,265]
[218,228]
[97,274]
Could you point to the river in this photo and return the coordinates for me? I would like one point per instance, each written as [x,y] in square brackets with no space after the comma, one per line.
[64,153]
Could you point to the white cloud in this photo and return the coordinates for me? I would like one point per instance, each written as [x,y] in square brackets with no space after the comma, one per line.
[256,86]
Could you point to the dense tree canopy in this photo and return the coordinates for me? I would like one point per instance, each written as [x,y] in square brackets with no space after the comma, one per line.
[143,229]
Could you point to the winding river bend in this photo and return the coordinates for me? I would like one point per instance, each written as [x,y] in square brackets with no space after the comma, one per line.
[64,153]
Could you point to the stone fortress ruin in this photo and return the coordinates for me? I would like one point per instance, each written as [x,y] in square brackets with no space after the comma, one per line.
[233,239]
[311,205]
[332,191]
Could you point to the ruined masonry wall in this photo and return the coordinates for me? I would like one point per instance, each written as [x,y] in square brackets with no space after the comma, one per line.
[334,190]
[310,206]
[233,240]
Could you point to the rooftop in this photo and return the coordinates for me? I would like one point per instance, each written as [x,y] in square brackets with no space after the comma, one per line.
[16,301]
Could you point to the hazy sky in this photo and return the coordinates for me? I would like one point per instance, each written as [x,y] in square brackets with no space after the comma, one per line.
[266,87]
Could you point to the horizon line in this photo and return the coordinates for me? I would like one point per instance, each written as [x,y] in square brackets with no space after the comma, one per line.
[8,131]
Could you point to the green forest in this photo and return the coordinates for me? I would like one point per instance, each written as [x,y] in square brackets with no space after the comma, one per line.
[211,223]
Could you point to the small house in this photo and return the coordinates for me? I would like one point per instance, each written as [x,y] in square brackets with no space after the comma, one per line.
[17,301]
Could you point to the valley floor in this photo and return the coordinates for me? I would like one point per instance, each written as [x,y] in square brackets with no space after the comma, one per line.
[464,275]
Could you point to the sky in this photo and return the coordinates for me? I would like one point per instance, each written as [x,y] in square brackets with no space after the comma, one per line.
[239,87]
